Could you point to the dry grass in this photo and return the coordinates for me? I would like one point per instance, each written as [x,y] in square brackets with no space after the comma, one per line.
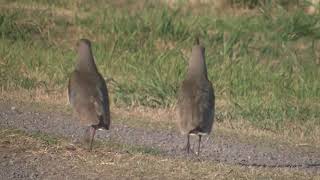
[113,162]
[62,12]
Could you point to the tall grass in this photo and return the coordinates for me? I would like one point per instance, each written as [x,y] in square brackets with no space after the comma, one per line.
[263,67]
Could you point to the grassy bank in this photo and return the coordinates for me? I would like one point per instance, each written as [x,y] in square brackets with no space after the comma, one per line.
[264,63]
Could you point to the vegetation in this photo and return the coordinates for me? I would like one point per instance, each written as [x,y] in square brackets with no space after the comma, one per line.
[264,64]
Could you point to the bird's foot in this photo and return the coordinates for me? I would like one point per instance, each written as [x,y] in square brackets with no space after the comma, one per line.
[87,135]
[188,149]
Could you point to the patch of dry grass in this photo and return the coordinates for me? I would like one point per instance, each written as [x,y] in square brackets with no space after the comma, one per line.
[62,12]
[113,162]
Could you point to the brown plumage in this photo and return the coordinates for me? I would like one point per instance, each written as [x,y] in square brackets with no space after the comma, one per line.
[87,90]
[195,108]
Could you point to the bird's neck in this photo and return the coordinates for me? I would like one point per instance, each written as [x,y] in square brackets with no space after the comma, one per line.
[85,63]
[197,67]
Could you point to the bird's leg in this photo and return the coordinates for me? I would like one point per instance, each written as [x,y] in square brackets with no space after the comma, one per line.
[199,145]
[92,137]
[188,143]
[87,135]
[187,148]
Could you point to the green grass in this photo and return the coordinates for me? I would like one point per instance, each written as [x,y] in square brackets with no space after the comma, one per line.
[263,66]
[47,139]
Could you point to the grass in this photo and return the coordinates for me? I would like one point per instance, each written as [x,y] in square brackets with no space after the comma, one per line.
[264,66]
[9,135]
[47,139]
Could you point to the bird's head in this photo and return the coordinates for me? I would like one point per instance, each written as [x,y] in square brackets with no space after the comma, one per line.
[83,47]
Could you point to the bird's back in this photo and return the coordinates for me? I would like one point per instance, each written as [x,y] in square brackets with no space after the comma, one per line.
[195,106]
[88,96]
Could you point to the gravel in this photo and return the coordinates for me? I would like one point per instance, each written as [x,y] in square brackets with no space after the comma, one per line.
[216,148]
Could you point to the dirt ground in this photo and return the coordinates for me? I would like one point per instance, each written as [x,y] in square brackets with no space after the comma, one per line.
[218,148]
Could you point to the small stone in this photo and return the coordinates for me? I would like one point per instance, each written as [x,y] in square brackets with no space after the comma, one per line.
[71,147]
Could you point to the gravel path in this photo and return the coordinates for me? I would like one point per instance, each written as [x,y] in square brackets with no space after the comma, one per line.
[221,148]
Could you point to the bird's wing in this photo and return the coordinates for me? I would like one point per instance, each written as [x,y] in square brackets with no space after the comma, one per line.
[184,96]
[184,107]
[205,99]
[102,100]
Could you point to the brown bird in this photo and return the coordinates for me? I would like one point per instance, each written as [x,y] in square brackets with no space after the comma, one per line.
[88,93]
[195,107]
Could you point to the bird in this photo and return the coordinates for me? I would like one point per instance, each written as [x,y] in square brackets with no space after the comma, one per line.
[196,99]
[88,93]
